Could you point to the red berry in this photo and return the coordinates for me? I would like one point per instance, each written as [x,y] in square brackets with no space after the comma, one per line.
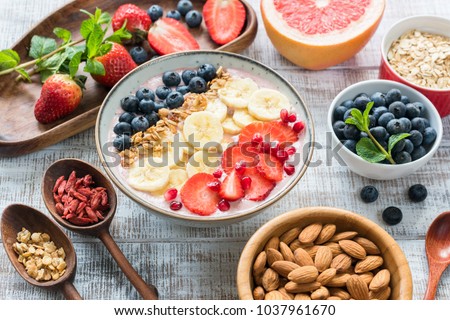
[265,147]
[292,117]
[257,138]
[217,174]
[170,194]
[290,150]
[223,205]
[284,115]
[175,205]
[282,155]
[214,186]
[240,167]
[298,126]
[274,150]
[289,169]
[246,183]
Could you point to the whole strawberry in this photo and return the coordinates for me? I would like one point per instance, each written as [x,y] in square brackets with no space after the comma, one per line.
[138,21]
[117,63]
[60,96]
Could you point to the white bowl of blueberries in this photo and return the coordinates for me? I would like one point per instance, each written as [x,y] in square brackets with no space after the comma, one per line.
[383,129]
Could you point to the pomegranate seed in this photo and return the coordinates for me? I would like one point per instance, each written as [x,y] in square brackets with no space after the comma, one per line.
[240,167]
[282,155]
[246,182]
[223,205]
[298,127]
[292,117]
[175,205]
[289,169]
[257,138]
[265,147]
[284,115]
[170,194]
[218,173]
[290,150]
[274,150]
[214,186]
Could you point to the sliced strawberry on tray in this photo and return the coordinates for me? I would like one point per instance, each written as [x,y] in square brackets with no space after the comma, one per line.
[260,187]
[270,131]
[197,197]
[270,167]
[224,19]
[168,35]
[237,153]
[137,21]
[231,188]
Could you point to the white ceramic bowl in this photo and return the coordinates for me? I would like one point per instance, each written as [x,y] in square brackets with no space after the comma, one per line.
[380,171]
[193,59]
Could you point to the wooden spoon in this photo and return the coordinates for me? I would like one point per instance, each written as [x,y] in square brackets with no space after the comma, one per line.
[18,216]
[437,246]
[101,229]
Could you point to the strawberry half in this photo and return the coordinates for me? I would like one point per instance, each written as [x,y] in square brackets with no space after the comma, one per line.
[260,187]
[168,35]
[224,19]
[237,153]
[137,19]
[197,197]
[270,131]
[270,167]
[231,188]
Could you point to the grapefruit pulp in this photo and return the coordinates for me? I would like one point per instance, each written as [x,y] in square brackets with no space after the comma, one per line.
[317,34]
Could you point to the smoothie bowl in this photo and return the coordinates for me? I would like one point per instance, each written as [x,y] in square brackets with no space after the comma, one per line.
[204,138]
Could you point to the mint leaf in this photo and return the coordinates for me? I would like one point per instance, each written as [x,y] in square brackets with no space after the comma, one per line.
[366,149]
[94,67]
[366,114]
[40,46]
[356,119]
[64,34]
[87,26]
[105,18]
[8,59]
[24,74]
[393,140]
[71,51]
[94,41]
[120,34]
[104,49]
[52,65]
[74,64]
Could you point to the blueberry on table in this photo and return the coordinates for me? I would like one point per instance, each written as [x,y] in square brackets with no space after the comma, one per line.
[339,112]
[174,14]
[378,99]
[398,109]
[139,55]
[171,78]
[146,105]
[183,89]
[162,92]
[198,85]
[123,128]
[145,93]
[126,117]
[207,71]
[361,102]
[429,136]
[184,6]
[194,18]
[130,103]
[152,118]
[416,138]
[140,123]
[402,157]
[418,153]
[155,12]
[417,193]
[392,215]
[187,75]
[412,111]
[351,132]
[174,100]
[378,111]
[122,142]
[350,145]
[338,128]
[385,118]
[369,194]
[392,96]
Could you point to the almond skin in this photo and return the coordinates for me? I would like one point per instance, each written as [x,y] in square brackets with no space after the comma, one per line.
[312,250]
[287,295]
[366,276]
[302,296]
[357,288]
[353,249]
[294,245]
[260,263]
[272,243]
[326,233]
[258,293]
[383,294]
[341,262]
[274,295]
[270,280]
[380,281]
[286,252]
[284,267]
[320,294]
[368,264]
[326,276]
[340,293]
[273,255]
[369,246]
[302,258]
[293,287]
[323,258]
[346,235]
[310,233]
[304,274]
[339,280]
[290,235]
[335,248]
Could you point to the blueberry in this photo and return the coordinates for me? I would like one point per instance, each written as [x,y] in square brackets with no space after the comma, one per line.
[392,215]
[429,136]
[130,103]
[207,71]
[377,112]
[372,121]
[171,78]
[406,123]
[160,105]
[399,146]
[187,75]
[174,14]
[418,153]
[183,89]
[139,55]
[184,6]
[418,124]
[383,143]
[162,92]
[392,96]
[174,100]
[194,18]
[417,193]
[338,128]
[402,157]
[145,93]
[347,114]
[198,85]
[361,102]
[412,111]
[348,104]
[146,105]
[140,123]
[395,126]
[379,133]
[363,135]
[152,118]
[421,107]
[123,128]
[415,137]
[351,132]
[398,109]
[126,117]
[155,12]
[351,145]
[369,194]
[339,113]
[122,142]
[404,99]
[385,118]
[409,147]
[378,99]
[427,122]
[362,94]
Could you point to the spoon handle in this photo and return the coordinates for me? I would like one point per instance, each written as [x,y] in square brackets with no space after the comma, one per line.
[435,272]
[147,291]
[70,292]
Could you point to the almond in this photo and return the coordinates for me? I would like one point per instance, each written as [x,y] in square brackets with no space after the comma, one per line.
[287,295]
[302,296]
[353,249]
[284,267]
[293,287]
[357,288]
[294,245]
[368,264]
[346,235]
[273,255]
[339,280]
[272,243]
[323,258]
[369,246]
[258,293]
[260,263]
[383,294]
[333,298]
[366,276]
[312,250]
[380,280]
[286,252]
[340,293]
[273,295]
[310,233]
[326,276]
[341,262]
[320,294]
[302,258]
[335,248]
[258,277]
[304,274]
[290,235]
[270,280]
[326,233]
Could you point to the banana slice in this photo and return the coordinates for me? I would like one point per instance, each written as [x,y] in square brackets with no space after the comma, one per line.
[242,118]
[146,175]
[237,92]
[202,161]
[177,177]
[218,108]
[266,104]
[174,149]
[230,127]
[204,129]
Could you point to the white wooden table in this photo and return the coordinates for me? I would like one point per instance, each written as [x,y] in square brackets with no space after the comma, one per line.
[195,263]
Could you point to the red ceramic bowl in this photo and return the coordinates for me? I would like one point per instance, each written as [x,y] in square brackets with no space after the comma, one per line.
[432,24]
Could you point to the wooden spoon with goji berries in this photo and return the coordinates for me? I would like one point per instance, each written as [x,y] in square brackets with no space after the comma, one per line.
[83,200]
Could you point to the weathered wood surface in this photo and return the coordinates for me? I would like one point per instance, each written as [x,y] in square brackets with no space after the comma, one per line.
[192,263]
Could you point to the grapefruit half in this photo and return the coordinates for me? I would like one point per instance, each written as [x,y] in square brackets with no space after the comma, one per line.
[317,34]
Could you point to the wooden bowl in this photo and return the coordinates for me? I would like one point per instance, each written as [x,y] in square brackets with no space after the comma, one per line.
[394,259]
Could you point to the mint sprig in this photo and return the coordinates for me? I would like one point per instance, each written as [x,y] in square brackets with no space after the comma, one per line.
[369,148]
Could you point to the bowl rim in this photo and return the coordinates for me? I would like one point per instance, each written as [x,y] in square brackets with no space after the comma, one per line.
[433,110]
[251,248]
[385,61]
[195,218]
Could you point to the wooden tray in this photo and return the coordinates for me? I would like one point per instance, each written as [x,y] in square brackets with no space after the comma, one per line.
[20,133]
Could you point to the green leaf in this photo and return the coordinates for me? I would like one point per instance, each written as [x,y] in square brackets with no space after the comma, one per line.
[105,18]
[74,64]
[366,114]
[120,34]
[51,65]
[94,67]
[8,59]
[87,26]
[24,74]
[88,13]
[356,119]
[45,74]
[40,46]
[393,140]
[71,51]
[64,34]
[105,48]
[367,150]
[95,41]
